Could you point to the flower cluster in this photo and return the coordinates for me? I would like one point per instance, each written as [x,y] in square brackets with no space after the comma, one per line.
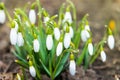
[44,44]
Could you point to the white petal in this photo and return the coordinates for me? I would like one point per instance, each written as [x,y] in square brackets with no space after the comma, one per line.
[111,41]
[67,40]
[83,35]
[16,25]
[36,45]
[20,40]
[32,16]
[103,56]
[72,67]
[57,33]
[2,17]
[67,17]
[87,27]
[71,32]
[90,49]
[49,42]
[32,71]
[13,36]
[59,48]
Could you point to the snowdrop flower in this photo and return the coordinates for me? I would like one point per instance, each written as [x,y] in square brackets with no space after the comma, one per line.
[67,40]
[57,33]
[32,16]
[2,17]
[90,48]
[111,41]
[49,42]
[20,40]
[36,45]
[67,17]
[103,56]
[13,36]
[32,71]
[84,35]
[72,67]
[71,32]
[59,48]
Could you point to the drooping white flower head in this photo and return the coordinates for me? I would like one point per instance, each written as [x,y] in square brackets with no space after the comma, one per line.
[13,36]
[72,67]
[49,42]
[90,48]
[20,40]
[67,17]
[111,41]
[32,16]
[56,33]
[84,35]
[103,56]
[2,17]
[71,32]
[32,71]
[67,40]
[36,45]
[59,48]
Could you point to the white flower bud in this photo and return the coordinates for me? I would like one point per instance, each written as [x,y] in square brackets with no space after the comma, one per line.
[72,67]
[67,40]
[87,27]
[57,33]
[46,19]
[111,41]
[32,16]
[20,40]
[16,25]
[32,71]
[36,45]
[49,42]
[2,17]
[59,48]
[13,36]
[84,35]
[90,48]
[67,17]
[103,56]
[18,77]
[71,32]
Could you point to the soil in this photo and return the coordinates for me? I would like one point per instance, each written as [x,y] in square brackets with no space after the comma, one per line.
[100,12]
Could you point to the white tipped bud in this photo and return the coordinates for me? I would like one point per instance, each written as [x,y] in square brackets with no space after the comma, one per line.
[67,40]
[49,42]
[67,17]
[103,56]
[32,71]
[20,40]
[46,19]
[72,67]
[59,48]
[87,27]
[57,33]
[16,25]
[90,48]
[84,35]
[32,16]
[71,32]
[18,77]
[111,41]
[13,36]
[36,45]
[2,17]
